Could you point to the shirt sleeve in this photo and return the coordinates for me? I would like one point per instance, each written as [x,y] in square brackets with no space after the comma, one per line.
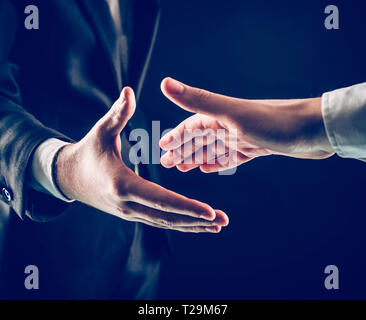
[41,177]
[344,115]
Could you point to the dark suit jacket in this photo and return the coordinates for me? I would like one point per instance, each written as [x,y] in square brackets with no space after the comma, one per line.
[57,82]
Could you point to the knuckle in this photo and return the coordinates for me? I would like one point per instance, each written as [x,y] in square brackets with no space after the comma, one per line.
[163,227]
[159,205]
[201,95]
[125,212]
[197,230]
[166,223]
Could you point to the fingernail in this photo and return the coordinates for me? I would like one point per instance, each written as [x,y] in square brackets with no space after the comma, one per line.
[174,87]
[123,95]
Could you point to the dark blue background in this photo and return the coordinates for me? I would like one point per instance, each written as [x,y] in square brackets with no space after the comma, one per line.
[289,218]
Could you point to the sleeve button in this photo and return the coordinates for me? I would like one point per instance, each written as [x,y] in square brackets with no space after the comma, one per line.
[6,194]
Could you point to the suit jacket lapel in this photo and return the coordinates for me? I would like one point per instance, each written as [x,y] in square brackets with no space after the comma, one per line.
[98,15]
[146,18]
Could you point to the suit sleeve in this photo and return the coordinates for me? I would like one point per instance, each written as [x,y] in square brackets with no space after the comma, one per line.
[20,134]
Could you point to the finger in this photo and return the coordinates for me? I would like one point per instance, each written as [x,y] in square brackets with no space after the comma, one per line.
[120,113]
[212,229]
[170,220]
[185,153]
[198,100]
[194,126]
[232,160]
[157,197]
[167,159]
[192,152]
[206,155]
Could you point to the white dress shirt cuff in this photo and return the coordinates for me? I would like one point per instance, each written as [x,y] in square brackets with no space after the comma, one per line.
[41,170]
[344,115]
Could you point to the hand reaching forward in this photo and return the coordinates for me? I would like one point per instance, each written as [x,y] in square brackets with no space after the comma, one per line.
[226,132]
[92,171]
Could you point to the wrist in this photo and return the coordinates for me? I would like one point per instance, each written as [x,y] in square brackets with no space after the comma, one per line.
[311,126]
[63,171]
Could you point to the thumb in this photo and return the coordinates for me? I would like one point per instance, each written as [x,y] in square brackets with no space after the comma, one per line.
[118,115]
[197,100]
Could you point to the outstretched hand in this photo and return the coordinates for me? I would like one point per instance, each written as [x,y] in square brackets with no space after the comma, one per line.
[225,132]
[92,171]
